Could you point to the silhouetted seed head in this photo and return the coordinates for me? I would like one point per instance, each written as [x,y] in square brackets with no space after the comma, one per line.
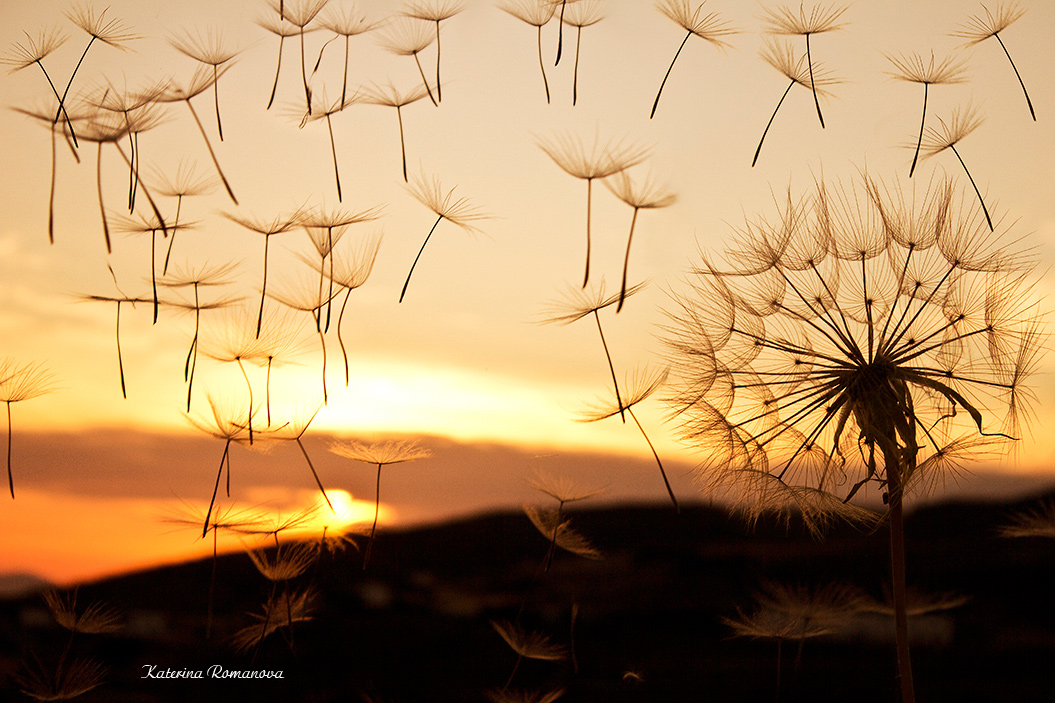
[913,69]
[206,47]
[644,195]
[1033,522]
[597,160]
[278,26]
[533,12]
[406,36]
[383,453]
[433,10]
[184,183]
[583,13]
[964,120]
[781,56]
[798,612]
[389,95]
[828,346]
[346,21]
[93,620]
[578,303]
[282,610]
[918,602]
[77,677]
[112,31]
[561,488]
[244,521]
[977,28]
[349,270]
[277,225]
[819,19]
[459,211]
[221,423]
[283,563]
[638,387]
[34,49]
[560,534]
[710,27]
[299,13]
[528,644]
[24,382]
[201,80]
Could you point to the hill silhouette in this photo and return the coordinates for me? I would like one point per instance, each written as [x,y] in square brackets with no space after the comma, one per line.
[645,622]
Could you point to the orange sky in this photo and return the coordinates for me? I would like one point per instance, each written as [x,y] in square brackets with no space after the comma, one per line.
[465,356]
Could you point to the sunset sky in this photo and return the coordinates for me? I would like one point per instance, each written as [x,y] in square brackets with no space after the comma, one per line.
[466,363]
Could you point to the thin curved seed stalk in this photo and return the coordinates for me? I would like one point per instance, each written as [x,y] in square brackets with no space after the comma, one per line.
[542,65]
[278,70]
[919,139]
[813,86]
[611,366]
[981,201]
[1022,83]
[575,70]
[212,154]
[560,32]
[769,124]
[410,273]
[670,68]
[373,527]
[659,463]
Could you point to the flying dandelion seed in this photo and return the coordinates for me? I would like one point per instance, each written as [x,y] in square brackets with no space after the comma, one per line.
[379,454]
[819,20]
[977,30]
[208,48]
[536,13]
[434,11]
[815,77]
[458,212]
[709,27]
[912,69]
[589,164]
[19,383]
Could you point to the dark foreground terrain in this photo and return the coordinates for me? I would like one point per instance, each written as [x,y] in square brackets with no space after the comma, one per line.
[644,623]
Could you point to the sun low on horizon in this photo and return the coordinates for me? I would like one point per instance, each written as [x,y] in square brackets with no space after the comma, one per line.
[240,231]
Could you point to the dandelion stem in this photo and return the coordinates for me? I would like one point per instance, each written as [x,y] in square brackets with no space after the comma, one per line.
[922,122]
[1017,75]
[344,75]
[62,100]
[10,478]
[263,288]
[425,80]
[153,271]
[51,191]
[813,87]
[62,107]
[402,145]
[589,198]
[770,123]
[315,474]
[981,201]
[333,150]
[897,575]
[439,86]
[611,367]
[278,69]
[667,75]
[560,31]
[373,528]
[120,363]
[303,72]
[626,261]
[219,472]
[541,65]
[662,472]
[250,387]
[407,283]
[99,190]
[575,71]
[216,99]
[212,154]
[340,340]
